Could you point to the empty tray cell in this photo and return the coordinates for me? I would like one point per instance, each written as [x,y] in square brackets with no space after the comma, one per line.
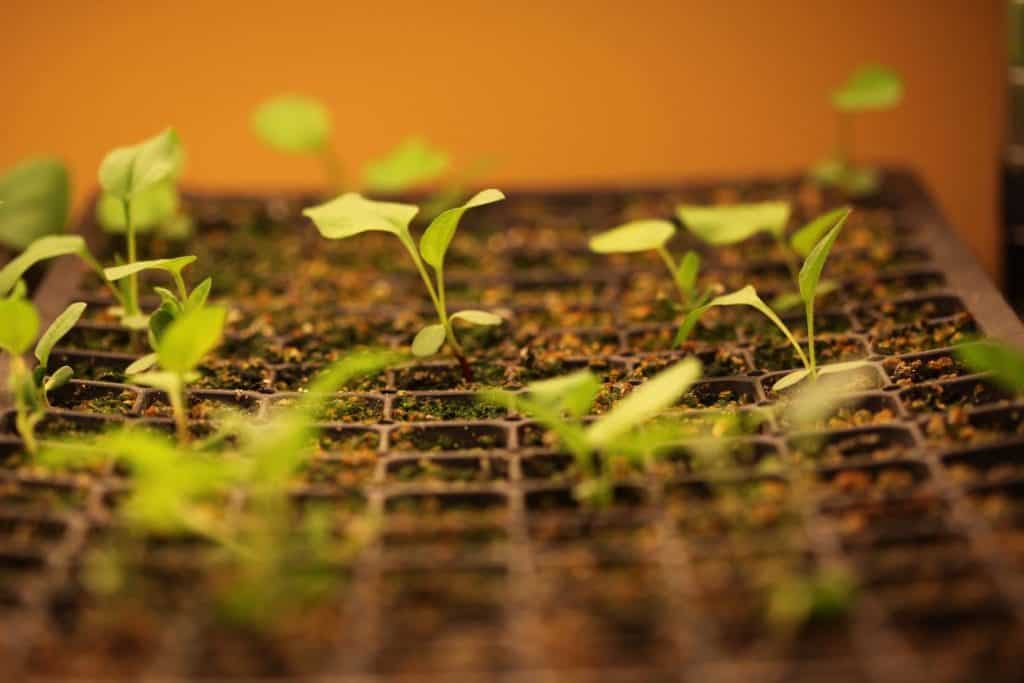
[774,357]
[850,446]
[906,521]
[896,564]
[95,397]
[717,362]
[825,323]
[351,469]
[290,378]
[649,338]
[600,538]
[447,469]
[579,342]
[448,437]
[203,405]
[339,408]
[924,367]
[87,336]
[911,311]
[536,319]
[429,407]
[720,393]
[874,482]
[96,366]
[992,465]
[942,396]
[444,376]
[549,466]
[890,340]
[349,439]
[723,456]
[556,499]
[889,287]
[234,375]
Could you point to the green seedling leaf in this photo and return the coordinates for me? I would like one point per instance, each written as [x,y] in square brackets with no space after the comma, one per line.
[1004,362]
[42,249]
[632,237]
[438,235]
[428,340]
[56,331]
[573,393]
[352,366]
[198,296]
[190,337]
[790,300]
[34,201]
[170,265]
[742,297]
[478,317]
[720,225]
[351,214]
[20,325]
[810,273]
[129,170]
[804,239]
[151,208]
[871,87]
[141,365]
[59,378]
[168,382]
[412,163]
[689,269]
[645,402]
[295,124]
[797,376]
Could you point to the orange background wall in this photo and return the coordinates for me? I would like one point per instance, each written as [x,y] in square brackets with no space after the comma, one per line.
[561,91]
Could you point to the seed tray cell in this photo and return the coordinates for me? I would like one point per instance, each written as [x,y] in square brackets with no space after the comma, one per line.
[484,561]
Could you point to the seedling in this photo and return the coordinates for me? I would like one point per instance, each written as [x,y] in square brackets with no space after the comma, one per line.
[1004,362]
[352,214]
[731,224]
[156,210]
[179,350]
[825,595]
[412,163]
[30,387]
[34,201]
[869,88]
[125,175]
[653,235]
[297,124]
[808,279]
[561,403]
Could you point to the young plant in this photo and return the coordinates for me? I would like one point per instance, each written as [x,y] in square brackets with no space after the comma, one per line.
[561,403]
[808,280]
[731,224]
[412,163]
[125,175]
[869,88]
[351,214]
[180,348]
[1004,362]
[30,387]
[301,125]
[35,198]
[653,235]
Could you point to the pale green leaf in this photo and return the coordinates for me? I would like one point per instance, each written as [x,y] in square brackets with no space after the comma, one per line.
[438,235]
[43,248]
[810,273]
[169,382]
[151,208]
[634,236]
[689,269]
[20,325]
[645,402]
[296,124]
[141,365]
[428,340]
[478,317]
[189,338]
[870,87]
[59,378]
[790,300]
[411,163]
[804,239]
[128,170]
[56,331]
[34,201]
[573,393]
[198,296]
[1004,362]
[720,225]
[351,214]
[170,265]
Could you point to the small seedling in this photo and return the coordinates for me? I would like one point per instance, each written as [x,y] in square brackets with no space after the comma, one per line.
[35,198]
[125,175]
[412,163]
[869,88]
[731,224]
[808,279]
[297,124]
[561,403]
[1004,362]
[653,235]
[180,348]
[156,210]
[351,214]
[30,387]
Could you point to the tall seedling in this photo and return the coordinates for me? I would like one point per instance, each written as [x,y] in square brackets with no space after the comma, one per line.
[352,214]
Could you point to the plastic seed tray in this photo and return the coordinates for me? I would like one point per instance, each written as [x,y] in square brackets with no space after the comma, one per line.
[485,567]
